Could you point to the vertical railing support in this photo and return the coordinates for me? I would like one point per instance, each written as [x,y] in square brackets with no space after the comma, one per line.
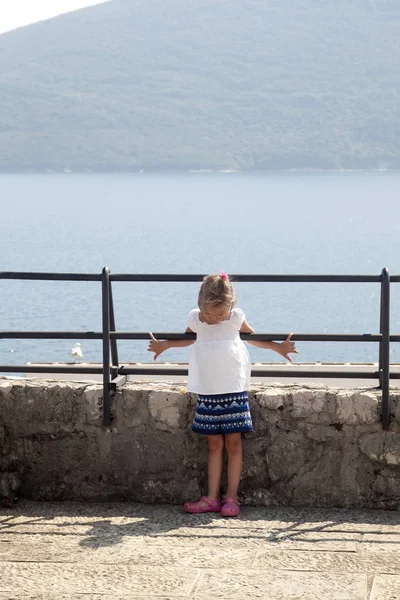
[384,348]
[113,341]
[105,287]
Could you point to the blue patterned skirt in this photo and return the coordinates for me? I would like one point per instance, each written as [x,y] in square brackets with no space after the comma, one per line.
[222,413]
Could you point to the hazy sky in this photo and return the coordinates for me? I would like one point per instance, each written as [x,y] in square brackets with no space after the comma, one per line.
[16,13]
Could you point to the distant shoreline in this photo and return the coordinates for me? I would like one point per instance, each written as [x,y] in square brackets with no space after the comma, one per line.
[86,171]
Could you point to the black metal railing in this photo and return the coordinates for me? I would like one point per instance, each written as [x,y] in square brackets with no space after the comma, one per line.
[115,374]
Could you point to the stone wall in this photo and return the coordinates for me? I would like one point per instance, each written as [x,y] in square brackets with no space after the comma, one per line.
[311,446]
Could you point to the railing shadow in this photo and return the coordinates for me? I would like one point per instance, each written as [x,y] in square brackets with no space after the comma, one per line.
[109,524]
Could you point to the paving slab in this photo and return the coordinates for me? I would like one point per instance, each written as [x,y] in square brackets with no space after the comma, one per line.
[283,585]
[104,551]
[385,588]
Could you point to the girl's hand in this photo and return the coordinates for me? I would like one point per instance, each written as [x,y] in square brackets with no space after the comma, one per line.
[156,346]
[287,346]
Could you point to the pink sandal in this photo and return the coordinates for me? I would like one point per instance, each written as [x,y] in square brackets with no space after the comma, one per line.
[197,508]
[230,508]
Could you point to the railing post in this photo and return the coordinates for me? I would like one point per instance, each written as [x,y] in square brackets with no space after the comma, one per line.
[113,341]
[380,343]
[384,348]
[105,288]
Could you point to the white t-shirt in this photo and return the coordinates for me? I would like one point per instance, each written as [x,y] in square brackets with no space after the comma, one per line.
[219,361]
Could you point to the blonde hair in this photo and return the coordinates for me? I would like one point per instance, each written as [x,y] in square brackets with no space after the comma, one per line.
[216,290]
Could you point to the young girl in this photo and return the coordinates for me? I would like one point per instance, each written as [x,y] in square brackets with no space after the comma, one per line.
[219,373]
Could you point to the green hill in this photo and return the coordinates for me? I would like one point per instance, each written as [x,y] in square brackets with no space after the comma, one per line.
[201,84]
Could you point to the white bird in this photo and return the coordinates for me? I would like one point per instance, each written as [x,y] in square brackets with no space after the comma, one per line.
[77,351]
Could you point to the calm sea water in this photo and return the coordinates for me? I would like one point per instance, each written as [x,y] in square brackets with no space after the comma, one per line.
[195,223]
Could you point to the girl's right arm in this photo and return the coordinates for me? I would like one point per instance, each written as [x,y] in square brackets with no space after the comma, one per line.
[159,346]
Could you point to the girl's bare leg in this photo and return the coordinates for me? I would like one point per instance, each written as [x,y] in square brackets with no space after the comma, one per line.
[215,461]
[233,443]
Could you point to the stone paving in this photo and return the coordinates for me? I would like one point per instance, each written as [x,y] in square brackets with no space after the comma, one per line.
[116,551]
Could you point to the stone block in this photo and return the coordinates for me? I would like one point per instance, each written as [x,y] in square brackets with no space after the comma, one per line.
[306,403]
[387,489]
[91,404]
[286,455]
[165,408]
[328,478]
[357,407]
[271,399]
[10,483]
[42,407]
[395,409]
[382,447]
[259,497]
[321,433]
[129,409]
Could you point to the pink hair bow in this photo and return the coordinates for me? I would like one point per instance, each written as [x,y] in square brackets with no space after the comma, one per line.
[223,275]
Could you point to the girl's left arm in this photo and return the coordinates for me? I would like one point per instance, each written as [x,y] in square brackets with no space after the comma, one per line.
[282,348]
